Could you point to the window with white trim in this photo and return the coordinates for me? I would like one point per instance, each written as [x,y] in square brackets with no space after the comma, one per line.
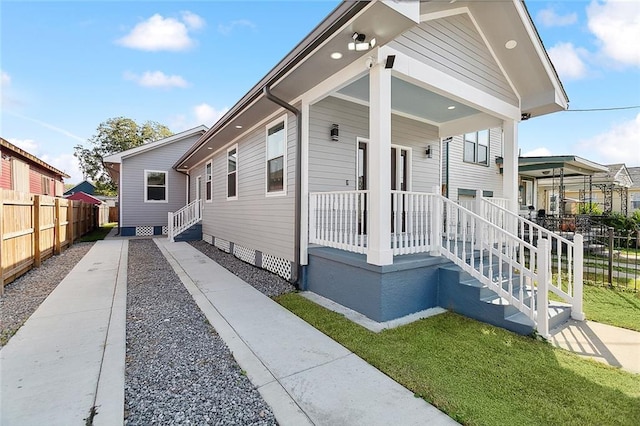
[276,157]
[232,172]
[476,147]
[155,186]
[208,179]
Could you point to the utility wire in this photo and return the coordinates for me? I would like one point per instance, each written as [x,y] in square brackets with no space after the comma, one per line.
[603,109]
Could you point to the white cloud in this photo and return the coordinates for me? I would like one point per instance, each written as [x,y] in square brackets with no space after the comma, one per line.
[192,20]
[616,24]
[567,59]
[549,18]
[68,164]
[617,145]
[5,79]
[207,115]
[158,33]
[537,152]
[199,114]
[156,79]
[227,29]
[28,145]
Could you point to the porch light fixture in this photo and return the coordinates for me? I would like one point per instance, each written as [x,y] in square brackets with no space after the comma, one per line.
[511,44]
[359,43]
[238,126]
[334,133]
[451,107]
[525,116]
[389,62]
[336,55]
[428,151]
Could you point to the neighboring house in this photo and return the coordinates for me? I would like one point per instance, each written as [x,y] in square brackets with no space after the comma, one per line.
[24,172]
[82,196]
[634,189]
[148,186]
[553,183]
[84,186]
[328,172]
[608,188]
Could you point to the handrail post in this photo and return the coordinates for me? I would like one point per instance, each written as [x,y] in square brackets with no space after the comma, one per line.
[578,258]
[436,222]
[542,294]
[170,226]
[478,209]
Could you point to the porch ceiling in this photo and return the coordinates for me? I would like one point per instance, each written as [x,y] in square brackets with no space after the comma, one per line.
[412,100]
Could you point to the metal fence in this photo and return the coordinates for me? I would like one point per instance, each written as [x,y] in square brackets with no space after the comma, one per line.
[612,257]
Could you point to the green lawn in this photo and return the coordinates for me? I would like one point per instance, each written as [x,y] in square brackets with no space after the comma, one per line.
[612,306]
[98,234]
[483,375]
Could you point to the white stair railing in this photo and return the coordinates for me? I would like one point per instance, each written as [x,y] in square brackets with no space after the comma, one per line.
[566,256]
[183,219]
[499,259]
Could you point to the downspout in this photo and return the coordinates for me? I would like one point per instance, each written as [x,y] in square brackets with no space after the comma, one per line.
[295,272]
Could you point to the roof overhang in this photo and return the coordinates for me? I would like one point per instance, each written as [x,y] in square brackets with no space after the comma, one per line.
[555,165]
[307,65]
[8,145]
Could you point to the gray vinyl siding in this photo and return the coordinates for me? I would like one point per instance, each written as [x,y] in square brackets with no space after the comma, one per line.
[254,220]
[475,176]
[135,212]
[332,164]
[454,46]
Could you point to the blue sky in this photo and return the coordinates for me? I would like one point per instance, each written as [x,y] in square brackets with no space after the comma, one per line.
[68,66]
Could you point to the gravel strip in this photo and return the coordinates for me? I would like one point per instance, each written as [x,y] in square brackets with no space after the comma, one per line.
[262,280]
[23,296]
[178,370]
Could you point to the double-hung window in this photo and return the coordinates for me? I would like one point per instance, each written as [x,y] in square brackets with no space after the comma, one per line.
[208,181]
[232,172]
[476,147]
[155,186]
[276,157]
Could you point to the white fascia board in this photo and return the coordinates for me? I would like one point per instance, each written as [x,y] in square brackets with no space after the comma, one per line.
[443,84]
[542,54]
[410,9]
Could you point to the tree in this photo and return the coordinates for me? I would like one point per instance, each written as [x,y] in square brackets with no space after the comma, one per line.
[112,136]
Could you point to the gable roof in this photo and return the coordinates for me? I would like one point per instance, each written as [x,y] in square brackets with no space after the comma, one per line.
[119,156]
[84,186]
[634,173]
[307,65]
[83,196]
[30,157]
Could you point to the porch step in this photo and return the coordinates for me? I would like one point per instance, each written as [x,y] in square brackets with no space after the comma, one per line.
[193,233]
[463,294]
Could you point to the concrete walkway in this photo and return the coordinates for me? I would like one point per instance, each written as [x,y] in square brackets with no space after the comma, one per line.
[612,345]
[69,355]
[306,377]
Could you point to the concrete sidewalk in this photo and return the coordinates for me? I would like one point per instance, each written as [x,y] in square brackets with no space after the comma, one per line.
[306,377]
[69,355]
[612,345]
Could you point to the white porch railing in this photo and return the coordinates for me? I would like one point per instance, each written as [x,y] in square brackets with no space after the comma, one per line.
[565,256]
[339,219]
[421,222]
[183,219]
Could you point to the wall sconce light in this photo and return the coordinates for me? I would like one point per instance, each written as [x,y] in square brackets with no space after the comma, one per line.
[428,151]
[334,132]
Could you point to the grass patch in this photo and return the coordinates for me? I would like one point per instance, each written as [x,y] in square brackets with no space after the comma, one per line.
[483,375]
[98,234]
[612,306]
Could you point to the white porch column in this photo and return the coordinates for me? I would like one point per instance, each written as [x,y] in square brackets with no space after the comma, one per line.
[510,163]
[379,245]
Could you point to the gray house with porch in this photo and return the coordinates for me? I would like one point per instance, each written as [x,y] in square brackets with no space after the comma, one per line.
[329,171]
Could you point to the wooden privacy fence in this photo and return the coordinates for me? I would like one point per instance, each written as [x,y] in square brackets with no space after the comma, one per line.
[35,227]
